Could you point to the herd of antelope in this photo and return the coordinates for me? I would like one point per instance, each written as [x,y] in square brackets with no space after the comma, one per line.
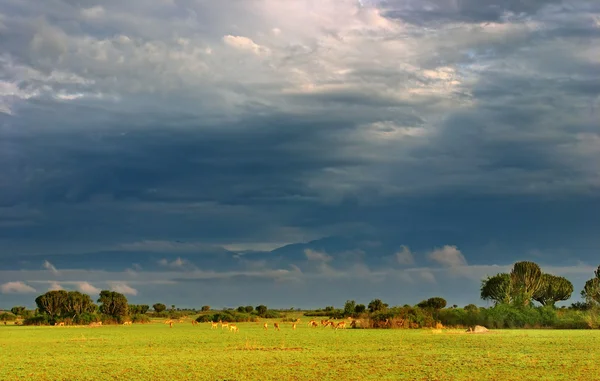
[231,327]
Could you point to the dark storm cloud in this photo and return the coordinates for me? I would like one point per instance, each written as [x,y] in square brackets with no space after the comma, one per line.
[139,141]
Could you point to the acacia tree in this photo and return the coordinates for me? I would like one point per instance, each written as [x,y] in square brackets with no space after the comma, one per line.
[113,304]
[360,308]
[591,290]
[554,289]
[159,307]
[435,303]
[205,308]
[249,309]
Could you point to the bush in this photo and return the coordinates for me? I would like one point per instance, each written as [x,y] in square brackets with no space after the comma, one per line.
[37,320]
[140,319]
[271,314]
[227,316]
[5,316]
[85,319]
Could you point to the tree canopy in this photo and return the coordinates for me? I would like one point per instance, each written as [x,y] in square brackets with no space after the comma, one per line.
[113,303]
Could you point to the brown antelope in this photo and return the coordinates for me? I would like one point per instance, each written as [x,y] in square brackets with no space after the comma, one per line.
[96,324]
[214,325]
[276,326]
[128,322]
[61,324]
[171,325]
[298,320]
[169,322]
[181,320]
[312,323]
[266,326]
[225,324]
[294,326]
[233,328]
[340,325]
[194,322]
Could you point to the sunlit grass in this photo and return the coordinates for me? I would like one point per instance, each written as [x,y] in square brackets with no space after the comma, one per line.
[186,352]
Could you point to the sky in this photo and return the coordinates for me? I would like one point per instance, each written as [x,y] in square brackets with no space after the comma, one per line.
[296,153]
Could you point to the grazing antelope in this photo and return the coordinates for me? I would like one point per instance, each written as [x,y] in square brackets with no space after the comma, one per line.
[233,328]
[312,323]
[223,325]
[276,326]
[169,322]
[298,320]
[61,324]
[181,320]
[194,322]
[266,327]
[214,325]
[340,325]
[128,322]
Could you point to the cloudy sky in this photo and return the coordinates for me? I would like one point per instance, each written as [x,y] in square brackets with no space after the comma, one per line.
[296,153]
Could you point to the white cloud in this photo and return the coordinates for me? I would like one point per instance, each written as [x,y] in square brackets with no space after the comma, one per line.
[404,256]
[317,256]
[245,43]
[50,267]
[16,288]
[448,256]
[427,276]
[87,288]
[177,263]
[55,286]
[123,288]
[93,13]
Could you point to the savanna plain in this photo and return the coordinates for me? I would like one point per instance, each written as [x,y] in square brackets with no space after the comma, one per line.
[156,351]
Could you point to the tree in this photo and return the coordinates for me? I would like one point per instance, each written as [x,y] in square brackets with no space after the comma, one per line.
[554,289]
[262,309]
[52,303]
[496,288]
[526,280]
[349,307]
[435,303]
[377,305]
[471,308]
[249,309]
[591,290]
[172,307]
[360,308]
[205,308]
[138,308]
[17,310]
[329,308]
[113,304]
[78,303]
[241,309]
[159,307]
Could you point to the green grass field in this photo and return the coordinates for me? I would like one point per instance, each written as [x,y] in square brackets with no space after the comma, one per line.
[185,352]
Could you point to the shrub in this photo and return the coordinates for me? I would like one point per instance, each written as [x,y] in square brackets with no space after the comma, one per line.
[5,316]
[37,320]
[140,318]
[85,319]
[271,314]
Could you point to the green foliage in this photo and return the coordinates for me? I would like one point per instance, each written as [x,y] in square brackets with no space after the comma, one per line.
[249,309]
[435,303]
[496,288]
[205,308]
[377,305]
[114,304]
[261,310]
[5,316]
[17,310]
[52,303]
[591,290]
[553,289]
[227,316]
[360,308]
[159,307]
[580,306]
[42,319]
[140,318]
[271,314]
[138,308]
[349,308]
[526,279]
[241,309]
[471,308]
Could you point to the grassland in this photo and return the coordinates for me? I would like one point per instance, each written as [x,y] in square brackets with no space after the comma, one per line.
[186,352]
